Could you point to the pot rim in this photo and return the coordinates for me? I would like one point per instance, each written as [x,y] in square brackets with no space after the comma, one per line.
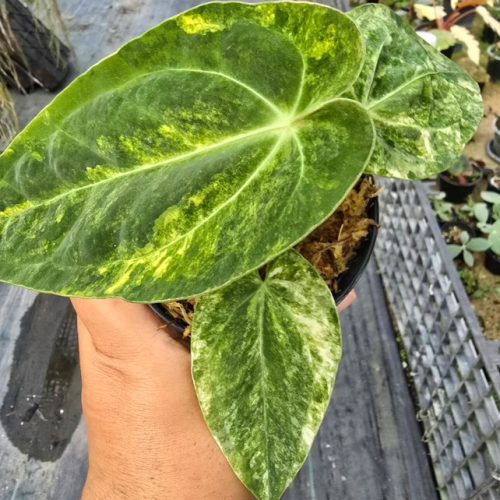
[356,268]
[443,175]
[490,180]
[491,153]
[496,125]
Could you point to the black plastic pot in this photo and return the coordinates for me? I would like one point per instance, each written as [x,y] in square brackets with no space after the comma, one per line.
[349,278]
[455,192]
[34,61]
[493,67]
[494,184]
[346,281]
[177,326]
[492,262]
[493,146]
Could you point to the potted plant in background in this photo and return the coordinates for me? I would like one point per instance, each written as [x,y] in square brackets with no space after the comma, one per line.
[493,147]
[493,67]
[462,245]
[178,170]
[489,244]
[492,199]
[460,180]
[444,209]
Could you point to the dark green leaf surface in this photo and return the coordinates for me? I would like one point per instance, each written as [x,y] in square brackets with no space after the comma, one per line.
[265,354]
[194,154]
[424,106]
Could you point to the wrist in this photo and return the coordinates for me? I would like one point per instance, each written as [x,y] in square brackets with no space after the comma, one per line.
[121,486]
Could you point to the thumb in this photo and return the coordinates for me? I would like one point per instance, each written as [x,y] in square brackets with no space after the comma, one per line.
[118,329]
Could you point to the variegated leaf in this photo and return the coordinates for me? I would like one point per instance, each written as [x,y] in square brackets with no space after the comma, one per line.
[488,19]
[265,354]
[430,12]
[197,152]
[464,36]
[424,106]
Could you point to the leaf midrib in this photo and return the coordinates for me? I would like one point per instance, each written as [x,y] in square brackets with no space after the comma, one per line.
[262,294]
[392,93]
[151,166]
[132,171]
[226,202]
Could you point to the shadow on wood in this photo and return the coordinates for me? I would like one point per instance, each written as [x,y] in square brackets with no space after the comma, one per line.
[41,408]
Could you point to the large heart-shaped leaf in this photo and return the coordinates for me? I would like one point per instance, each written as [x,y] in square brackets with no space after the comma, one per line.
[424,106]
[265,353]
[194,154]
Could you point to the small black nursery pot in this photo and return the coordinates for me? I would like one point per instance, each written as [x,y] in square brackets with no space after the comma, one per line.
[493,146]
[346,281]
[492,262]
[349,278]
[458,188]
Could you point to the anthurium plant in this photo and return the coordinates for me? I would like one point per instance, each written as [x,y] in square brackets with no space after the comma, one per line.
[198,155]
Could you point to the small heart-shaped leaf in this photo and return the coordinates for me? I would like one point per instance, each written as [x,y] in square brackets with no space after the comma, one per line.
[265,354]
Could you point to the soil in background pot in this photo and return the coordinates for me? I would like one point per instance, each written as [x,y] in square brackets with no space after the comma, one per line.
[330,248]
[451,231]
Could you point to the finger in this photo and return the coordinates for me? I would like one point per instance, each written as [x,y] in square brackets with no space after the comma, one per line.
[348,301]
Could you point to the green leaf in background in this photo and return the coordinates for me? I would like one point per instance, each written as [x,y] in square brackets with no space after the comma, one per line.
[195,153]
[265,354]
[464,237]
[455,250]
[491,197]
[481,212]
[478,244]
[468,258]
[494,237]
[444,39]
[425,107]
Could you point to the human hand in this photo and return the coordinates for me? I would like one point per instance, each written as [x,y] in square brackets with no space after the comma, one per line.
[147,436]
[349,300]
